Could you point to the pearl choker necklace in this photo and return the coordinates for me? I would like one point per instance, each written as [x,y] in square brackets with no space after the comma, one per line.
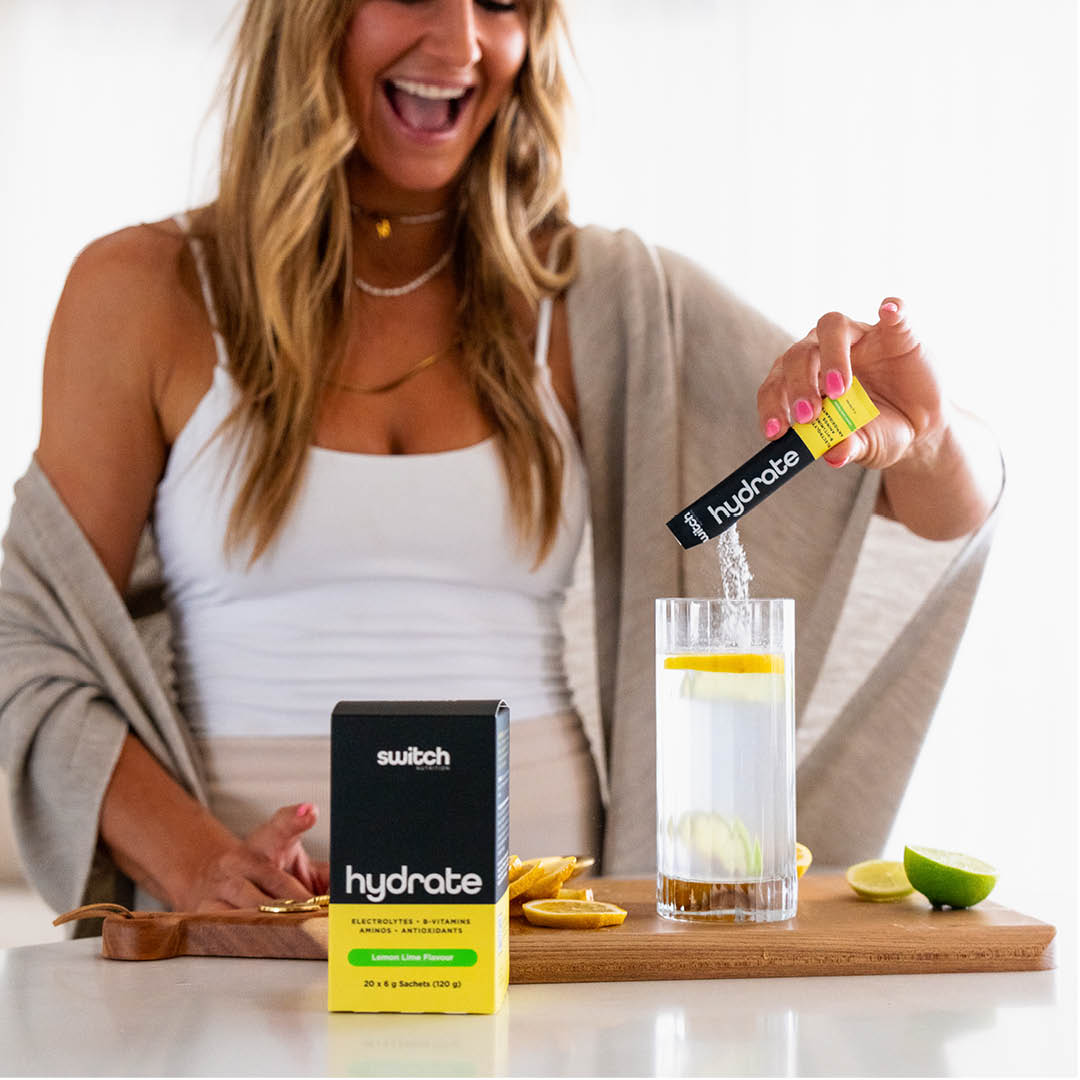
[409,286]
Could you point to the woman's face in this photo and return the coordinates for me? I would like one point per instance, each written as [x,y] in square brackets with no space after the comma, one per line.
[423,79]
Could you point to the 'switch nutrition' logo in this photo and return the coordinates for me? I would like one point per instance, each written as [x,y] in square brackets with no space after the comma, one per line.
[695,526]
[419,759]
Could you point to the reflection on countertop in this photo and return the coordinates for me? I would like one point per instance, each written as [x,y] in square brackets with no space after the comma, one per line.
[64,1011]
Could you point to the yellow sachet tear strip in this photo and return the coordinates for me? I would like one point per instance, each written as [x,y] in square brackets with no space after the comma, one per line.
[731,663]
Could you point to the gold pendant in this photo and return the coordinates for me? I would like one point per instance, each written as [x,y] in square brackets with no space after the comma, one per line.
[382,228]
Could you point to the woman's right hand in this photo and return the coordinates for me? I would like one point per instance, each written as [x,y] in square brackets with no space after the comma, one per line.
[270,863]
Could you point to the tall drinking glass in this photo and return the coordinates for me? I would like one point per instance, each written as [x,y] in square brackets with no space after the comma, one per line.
[725,759]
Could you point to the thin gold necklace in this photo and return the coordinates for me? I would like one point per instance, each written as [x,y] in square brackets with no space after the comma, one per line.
[393,384]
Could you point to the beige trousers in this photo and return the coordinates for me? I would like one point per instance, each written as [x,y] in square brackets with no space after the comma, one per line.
[555,806]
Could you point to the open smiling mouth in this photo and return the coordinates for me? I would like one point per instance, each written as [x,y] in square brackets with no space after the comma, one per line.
[425,108]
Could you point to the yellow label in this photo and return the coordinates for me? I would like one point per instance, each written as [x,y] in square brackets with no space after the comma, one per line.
[418,957]
[838,420]
[735,663]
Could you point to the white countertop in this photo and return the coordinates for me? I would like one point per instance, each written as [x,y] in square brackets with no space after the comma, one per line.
[64,1011]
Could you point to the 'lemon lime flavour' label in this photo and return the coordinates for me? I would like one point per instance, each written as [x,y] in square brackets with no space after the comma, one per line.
[722,506]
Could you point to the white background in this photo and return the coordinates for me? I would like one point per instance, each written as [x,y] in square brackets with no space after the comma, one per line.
[816,155]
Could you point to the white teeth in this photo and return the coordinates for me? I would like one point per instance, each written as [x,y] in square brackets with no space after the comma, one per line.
[435,93]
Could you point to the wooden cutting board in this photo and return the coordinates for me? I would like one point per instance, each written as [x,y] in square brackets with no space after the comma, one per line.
[834,933]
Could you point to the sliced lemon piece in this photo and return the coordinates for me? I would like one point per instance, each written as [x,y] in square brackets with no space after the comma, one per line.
[575,894]
[803,859]
[554,870]
[513,867]
[573,914]
[732,663]
[583,863]
[529,873]
[878,879]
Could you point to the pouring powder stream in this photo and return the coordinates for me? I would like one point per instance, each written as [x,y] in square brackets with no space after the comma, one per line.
[735,576]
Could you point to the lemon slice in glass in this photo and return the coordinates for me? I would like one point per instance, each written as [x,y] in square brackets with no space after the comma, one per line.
[730,676]
[573,914]
[731,663]
[878,879]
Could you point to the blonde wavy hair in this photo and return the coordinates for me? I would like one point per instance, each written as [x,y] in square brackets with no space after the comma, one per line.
[278,240]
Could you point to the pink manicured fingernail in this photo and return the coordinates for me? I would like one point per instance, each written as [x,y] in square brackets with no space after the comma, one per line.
[804,411]
[834,384]
[889,307]
[772,428]
[303,808]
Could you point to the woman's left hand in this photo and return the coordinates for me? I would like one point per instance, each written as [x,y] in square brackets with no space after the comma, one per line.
[892,365]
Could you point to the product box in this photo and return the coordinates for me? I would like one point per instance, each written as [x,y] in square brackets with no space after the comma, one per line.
[419,835]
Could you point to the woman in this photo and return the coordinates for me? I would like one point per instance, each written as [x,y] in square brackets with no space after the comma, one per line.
[368,398]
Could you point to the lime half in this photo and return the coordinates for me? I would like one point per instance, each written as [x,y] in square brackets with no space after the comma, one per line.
[947,878]
[877,879]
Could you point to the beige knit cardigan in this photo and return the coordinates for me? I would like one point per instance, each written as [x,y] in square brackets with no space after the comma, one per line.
[666,365]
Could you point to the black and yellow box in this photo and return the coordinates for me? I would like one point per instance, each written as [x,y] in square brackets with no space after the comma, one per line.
[419,834]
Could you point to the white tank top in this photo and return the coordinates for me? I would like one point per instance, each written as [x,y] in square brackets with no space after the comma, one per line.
[395,576]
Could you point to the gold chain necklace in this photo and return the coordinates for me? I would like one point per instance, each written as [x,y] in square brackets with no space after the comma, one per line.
[393,384]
